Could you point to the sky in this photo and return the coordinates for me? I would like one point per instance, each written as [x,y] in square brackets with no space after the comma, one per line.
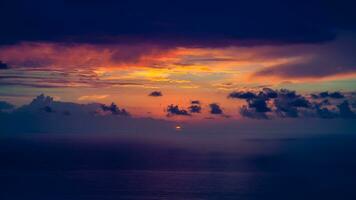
[181,60]
[147,99]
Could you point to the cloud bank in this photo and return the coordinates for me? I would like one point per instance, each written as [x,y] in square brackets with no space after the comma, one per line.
[269,103]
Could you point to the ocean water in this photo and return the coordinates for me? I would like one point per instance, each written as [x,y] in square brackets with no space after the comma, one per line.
[67,169]
[123,184]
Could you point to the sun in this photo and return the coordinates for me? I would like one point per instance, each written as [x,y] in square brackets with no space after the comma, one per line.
[178,128]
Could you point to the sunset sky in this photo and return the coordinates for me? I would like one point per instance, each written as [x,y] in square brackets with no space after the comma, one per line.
[109,51]
[177,99]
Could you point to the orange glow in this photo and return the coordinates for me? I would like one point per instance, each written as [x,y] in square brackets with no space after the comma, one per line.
[126,74]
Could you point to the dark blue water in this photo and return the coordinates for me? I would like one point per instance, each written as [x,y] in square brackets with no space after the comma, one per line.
[302,168]
[122,184]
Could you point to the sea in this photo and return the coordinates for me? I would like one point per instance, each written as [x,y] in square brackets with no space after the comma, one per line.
[66,168]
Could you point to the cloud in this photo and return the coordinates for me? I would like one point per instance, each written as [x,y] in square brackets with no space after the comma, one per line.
[48,109]
[195,102]
[288,103]
[219,24]
[195,107]
[47,104]
[41,101]
[6,106]
[156,94]
[84,56]
[242,95]
[251,113]
[265,93]
[3,65]
[324,112]
[256,102]
[114,109]
[333,95]
[345,111]
[175,110]
[45,115]
[259,105]
[335,58]
[284,103]
[215,109]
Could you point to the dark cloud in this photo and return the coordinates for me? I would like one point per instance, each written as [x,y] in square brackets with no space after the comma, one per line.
[251,113]
[48,109]
[333,95]
[256,103]
[3,65]
[41,102]
[286,103]
[195,107]
[259,105]
[307,69]
[114,109]
[45,115]
[242,95]
[175,110]
[265,93]
[155,94]
[195,102]
[318,61]
[201,23]
[215,109]
[268,93]
[324,112]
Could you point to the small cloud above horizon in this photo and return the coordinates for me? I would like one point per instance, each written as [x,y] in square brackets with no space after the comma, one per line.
[155,94]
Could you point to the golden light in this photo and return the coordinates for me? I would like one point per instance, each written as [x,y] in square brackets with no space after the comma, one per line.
[178,128]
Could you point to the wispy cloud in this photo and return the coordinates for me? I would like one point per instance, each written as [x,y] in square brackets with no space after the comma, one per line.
[92,97]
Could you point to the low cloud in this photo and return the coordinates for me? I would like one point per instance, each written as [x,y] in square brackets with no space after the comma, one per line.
[6,106]
[156,94]
[114,109]
[326,94]
[242,95]
[175,110]
[195,107]
[195,102]
[345,110]
[245,111]
[284,103]
[215,109]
